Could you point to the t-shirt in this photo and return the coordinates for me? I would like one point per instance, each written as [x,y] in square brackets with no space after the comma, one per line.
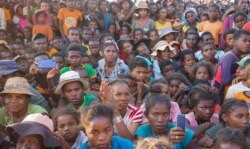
[52,51]
[242,96]
[90,71]
[146,26]
[191,118]
[117,143]
[6,118]
[211,132]
[43,29]
[146,130]
[232,90]
[214,27]
[86,102]
[160,26]
[69,18]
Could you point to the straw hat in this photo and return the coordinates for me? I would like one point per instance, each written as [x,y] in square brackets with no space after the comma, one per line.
[17,85]
[161,46]
[68,77]
[124,37]
[168,30]
[35,15]
[35,124]
[141,5]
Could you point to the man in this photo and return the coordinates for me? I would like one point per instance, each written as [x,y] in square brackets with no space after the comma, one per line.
[72,87]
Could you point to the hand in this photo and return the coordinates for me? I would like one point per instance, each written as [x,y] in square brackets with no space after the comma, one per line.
[176,135]
[183,87]
[65,145]
[106,94]
[139,87]
[33,70]
[52,73]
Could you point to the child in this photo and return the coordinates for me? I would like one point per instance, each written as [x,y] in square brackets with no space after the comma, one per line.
[167,67]
[228,118]
[59,59]
[193,40]
[143,21]
[168,34]
[126,46]
[213,25]
[137,34]
[162,21]
[191,19]
[204,17]
[125,29]
[66,123]
[240,19]
[157,112]
[203,71]
[187,62]
[94,47]
[229,40]
[230,138]
[208,53]
[175,53]
[153,35]
[93,25]
[41,20]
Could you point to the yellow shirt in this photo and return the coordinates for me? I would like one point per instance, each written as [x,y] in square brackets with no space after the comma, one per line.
[160,26]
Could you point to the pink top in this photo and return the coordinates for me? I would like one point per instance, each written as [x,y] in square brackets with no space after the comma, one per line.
[191,118]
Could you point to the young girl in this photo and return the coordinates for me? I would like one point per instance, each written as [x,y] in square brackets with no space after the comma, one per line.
[157,112]
[67,125]
[213,25]
[191,19]
[143,21]
[162,21]
[94,26]
[202,71]
[138,34]
[230,138]
[98,123]
[20,19]
[187,62]
[240,19]
[234,114]
[153,35]
[41,20]
[168,34]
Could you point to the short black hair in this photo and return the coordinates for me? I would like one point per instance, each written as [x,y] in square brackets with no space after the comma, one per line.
[205,34]
[40,36]
[157,98]
[165,63]
[138,62]
[239,33]
[75,47]
[73,28]
[228,32]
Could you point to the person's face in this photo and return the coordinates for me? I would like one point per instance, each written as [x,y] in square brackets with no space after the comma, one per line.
[99,132]
[138,35]
[189,60]
[228,146]
[57,43]
[125,5]
[59,61]
[158,117]
[176,52]
[93,25]
[127,47]
[208,39]
[170,9]
[7,55]
[67,127]
[204,18]
[23,65]
[143,13]
[73,92]
[121,95]
[30,57]
[87,34]
[165,89]
[165,54]
[153,36]
[208,52]
[74,35]
[40,45]
[202,73]
[139,73]
[27,32]
[79,5]
[2,36]
[230,41]
[200,11]
[204,110]
[30,142]
[167,70]
[110,54]
[192,40]
[213,13]
[143,49]
[92,5]
[103,6]
[44,6]
[240,21]
[190,18]
[242,5]
[83,74]
[114,9]
[86,60]
[18,49]
[243,43]
[238,118]
[169,37]
[16,103]
[153,9]
[125,30]
[94,48]
[174,86]
[71,4]
[112,29]
[74,58]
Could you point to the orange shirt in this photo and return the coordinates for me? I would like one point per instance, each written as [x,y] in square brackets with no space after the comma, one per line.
[69,18]
[7,14]
[44,29]
[214,27]
[52,51]
[241,96]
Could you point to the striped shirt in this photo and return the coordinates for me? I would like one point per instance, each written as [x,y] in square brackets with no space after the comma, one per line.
[133,115]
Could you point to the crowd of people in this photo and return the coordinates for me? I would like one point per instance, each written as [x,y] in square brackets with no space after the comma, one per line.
[95,74]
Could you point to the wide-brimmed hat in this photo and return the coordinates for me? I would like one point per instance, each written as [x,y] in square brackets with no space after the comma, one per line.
[124,37]
[161,46]
[7,67]
[241,63]
[168,30]
[18,5]
[35,124]
[70,76]
[141,5]
[35,16]
[174,43]
[17,85]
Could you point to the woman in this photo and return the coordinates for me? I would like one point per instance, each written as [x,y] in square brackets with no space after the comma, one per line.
[16,94]
[191,19]
[110,66]
[162,22]
[107,17]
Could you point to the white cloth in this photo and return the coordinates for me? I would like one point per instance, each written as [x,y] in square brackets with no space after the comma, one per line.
[232,90]
[3,22]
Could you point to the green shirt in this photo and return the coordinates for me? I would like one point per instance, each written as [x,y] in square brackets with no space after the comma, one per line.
[6,119]
[86,102]
[90,71]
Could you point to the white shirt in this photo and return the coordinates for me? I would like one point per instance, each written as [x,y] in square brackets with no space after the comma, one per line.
[232,90]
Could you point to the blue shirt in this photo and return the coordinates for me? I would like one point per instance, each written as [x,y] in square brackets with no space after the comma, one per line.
[146,130]
[117,143]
